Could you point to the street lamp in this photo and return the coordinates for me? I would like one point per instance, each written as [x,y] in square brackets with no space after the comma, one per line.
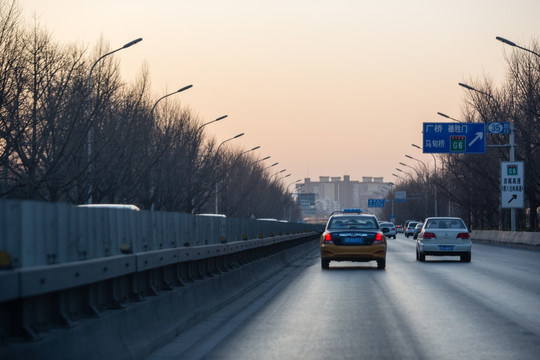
[279,172]
[283,177]
[255,148]
[163,97]
[512,149]
[511,43]
[152,115]
[213,121]
[297,181]
[398,169]
[89,134]
[217,150]
[448,117]
[419,177]
[274,164]
[417,173]
[470,88]
[435,164]
[223,142]
[286,192]
[265,158]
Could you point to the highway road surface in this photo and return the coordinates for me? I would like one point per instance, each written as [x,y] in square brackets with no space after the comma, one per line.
[441,309]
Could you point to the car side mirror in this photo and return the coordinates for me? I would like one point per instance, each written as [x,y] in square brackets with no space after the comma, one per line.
[385,230]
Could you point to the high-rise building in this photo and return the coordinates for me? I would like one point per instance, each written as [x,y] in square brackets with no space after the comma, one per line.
[334,193]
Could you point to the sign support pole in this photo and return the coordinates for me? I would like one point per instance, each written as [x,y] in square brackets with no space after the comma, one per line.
[512,158]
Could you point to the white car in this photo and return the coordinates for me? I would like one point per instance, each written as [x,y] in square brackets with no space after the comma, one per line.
[391,227]
[444,236]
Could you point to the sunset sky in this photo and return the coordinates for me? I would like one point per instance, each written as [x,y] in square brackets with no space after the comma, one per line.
[325,87]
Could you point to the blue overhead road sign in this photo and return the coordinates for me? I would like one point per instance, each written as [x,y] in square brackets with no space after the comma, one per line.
[375,203]
[466,138]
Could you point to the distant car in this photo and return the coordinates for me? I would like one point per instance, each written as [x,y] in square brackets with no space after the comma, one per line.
[391,229]
[351,235]
[407,223]
[444,236]
[399,229]
[416,230]
[409,230]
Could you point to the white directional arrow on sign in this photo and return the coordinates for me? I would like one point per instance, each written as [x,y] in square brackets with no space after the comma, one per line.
[479,136]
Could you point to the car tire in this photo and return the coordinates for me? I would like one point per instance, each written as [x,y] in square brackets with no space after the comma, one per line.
[420,256]
[325,264]
[381,264]
[466,258]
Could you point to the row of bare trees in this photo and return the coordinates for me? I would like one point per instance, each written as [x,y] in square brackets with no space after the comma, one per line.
[469,185]
[152,157]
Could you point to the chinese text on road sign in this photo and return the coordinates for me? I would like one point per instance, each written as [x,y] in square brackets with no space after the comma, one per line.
[512,187]
[468,138]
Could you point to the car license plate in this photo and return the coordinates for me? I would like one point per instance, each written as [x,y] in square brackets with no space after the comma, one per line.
[353,241]
[446,247]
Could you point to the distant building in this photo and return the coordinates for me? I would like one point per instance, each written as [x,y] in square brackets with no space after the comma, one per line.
[333,193]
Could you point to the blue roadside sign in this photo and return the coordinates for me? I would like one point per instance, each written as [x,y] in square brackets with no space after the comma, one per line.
[375,203]
[466,138]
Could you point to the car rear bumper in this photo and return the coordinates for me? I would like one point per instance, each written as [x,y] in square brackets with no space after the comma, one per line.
[353,253]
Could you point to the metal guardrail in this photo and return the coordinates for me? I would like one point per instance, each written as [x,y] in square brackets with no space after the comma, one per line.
[39,233]
[68,263]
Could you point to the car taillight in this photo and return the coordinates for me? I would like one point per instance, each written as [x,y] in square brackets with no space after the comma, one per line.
[429,235]
[378,238]
[463,236]
[328,237]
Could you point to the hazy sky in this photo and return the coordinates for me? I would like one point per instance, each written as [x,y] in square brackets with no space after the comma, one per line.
[325,87]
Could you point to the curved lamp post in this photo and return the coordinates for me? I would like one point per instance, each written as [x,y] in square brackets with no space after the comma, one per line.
[398,169]
[213,121]
[265,158]
[279,172]
[448,117]
[435,164]
[417,173]
[297,181]
[163,97]
[512,144]
[89,134]
[283,177]
[512,151]
[223,142]
[511,43]
[420,177]
[152,115]
[286,192]
[217,150]
[253,149]
[470,88]
[268,167]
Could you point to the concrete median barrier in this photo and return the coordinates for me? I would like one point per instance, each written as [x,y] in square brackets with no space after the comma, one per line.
[138,328]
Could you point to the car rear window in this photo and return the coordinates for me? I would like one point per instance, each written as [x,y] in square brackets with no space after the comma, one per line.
[353,222]
[445,224]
